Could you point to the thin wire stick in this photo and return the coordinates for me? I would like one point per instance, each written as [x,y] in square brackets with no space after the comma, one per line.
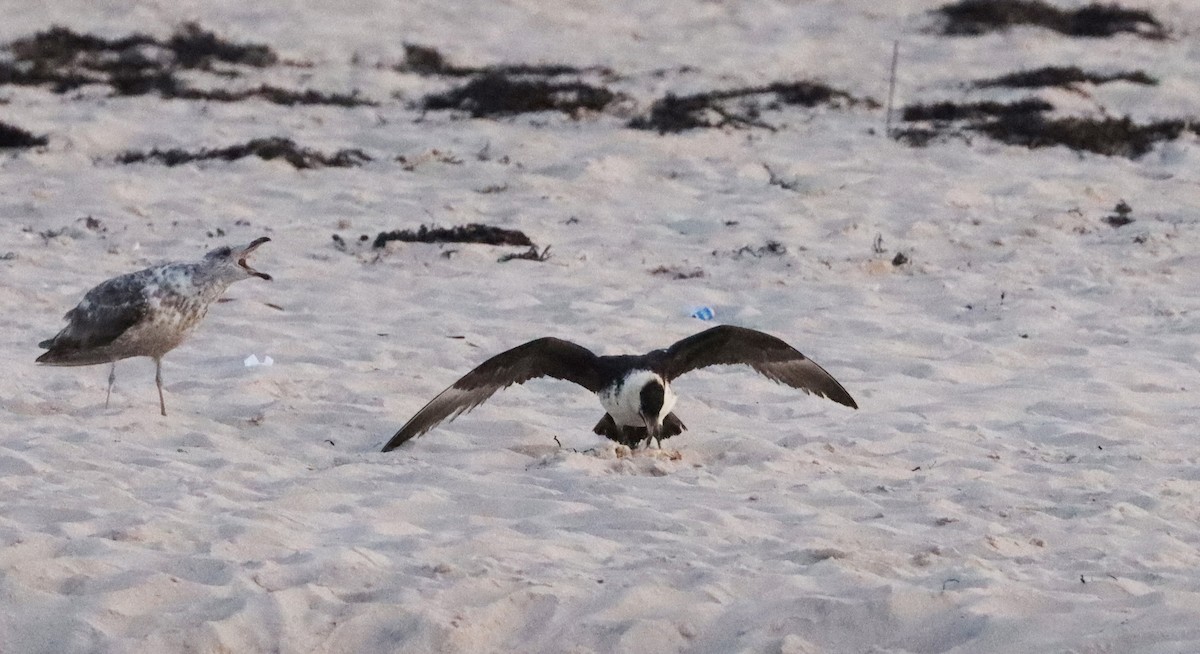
[892,86]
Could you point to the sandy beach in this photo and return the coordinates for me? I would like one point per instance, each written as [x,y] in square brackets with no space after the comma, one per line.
[1023,474]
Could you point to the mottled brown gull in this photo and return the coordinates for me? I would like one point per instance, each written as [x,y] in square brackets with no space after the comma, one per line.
[146,313]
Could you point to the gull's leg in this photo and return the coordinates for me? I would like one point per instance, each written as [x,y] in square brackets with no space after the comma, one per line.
[112,378]
[162,405]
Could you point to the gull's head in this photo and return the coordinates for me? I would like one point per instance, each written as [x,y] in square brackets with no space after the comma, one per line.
[230,261]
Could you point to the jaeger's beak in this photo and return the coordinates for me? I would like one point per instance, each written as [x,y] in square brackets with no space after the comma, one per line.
[653,431]
[246,251]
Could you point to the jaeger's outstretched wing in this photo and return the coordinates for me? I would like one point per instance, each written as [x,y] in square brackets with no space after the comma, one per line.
[771,357]
[544,357]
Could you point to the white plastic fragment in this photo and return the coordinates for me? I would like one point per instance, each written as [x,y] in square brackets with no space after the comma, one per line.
[252,361]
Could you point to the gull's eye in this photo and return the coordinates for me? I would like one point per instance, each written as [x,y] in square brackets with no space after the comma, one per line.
[220,252]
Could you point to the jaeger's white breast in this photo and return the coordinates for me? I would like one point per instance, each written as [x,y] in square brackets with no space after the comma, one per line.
[624,403]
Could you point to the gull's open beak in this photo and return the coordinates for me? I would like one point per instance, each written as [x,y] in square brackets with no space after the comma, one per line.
[246,251]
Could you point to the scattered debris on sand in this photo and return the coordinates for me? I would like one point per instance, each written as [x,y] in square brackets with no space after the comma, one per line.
[532,254]
[677,274]
[1120,216]
[771,248]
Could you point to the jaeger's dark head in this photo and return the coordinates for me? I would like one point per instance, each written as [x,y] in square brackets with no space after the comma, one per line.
[652,397]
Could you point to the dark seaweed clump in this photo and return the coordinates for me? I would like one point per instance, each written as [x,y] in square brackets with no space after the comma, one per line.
[424,60]
[950,111]
[950,119]
[737,107]
[471,233]
[66,60]
[1108,136]
[191,47]
[195,47]
[139,64]
[508,89]
[1062,76]
[265,148]
[497,94]
[975,17]
[1025,123]
[12,136]
[272,94]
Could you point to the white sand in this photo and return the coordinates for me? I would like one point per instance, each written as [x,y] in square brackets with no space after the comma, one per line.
[1023,476]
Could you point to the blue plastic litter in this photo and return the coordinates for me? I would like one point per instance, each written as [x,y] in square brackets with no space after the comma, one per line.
[703,313]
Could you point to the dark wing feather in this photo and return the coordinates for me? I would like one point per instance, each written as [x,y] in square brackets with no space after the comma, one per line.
[778,361]
[544,357]
[105,313]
